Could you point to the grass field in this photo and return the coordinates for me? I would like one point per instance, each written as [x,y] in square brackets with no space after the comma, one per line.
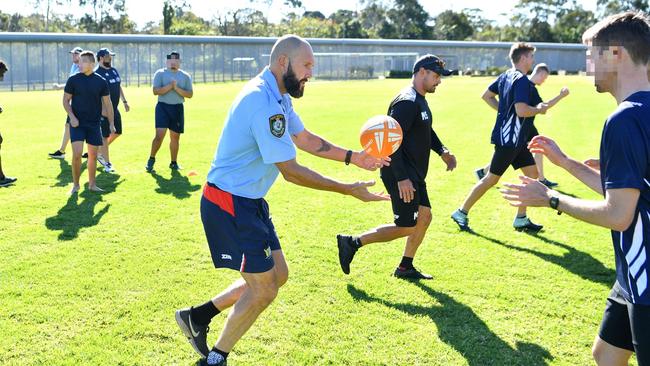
[96,279]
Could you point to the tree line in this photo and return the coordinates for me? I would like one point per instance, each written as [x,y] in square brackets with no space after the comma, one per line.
[561,21]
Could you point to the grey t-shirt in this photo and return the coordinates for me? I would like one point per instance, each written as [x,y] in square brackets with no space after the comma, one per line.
[165,76]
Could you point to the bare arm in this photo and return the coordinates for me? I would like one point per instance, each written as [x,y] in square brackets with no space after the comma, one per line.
[491,99]
[67,98]
[184,93]
[316,145]
[107,105]
[303,176]
[163,90]
[524,110]
[563,93]
[124,101]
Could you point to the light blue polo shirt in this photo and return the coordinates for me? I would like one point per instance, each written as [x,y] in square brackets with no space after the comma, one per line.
[74,69]
[256,135]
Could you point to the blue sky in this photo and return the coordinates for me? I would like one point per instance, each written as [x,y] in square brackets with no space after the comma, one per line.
[142,11]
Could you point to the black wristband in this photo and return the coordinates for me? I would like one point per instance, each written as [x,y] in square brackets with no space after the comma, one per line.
[348,157]
[554,202]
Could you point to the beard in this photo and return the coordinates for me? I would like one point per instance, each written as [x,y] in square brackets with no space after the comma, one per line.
[106,64]
[295,87]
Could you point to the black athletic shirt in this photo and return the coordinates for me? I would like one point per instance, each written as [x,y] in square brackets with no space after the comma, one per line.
[87,92]
[411,160]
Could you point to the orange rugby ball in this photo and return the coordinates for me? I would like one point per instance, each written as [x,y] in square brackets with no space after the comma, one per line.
[381,136]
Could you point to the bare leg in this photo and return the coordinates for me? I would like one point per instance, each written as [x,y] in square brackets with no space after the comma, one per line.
[415,239]
[486,169]
[385,233]
[174,139]
[531,172]
[607,355]
[113,137]
[479,190]
[77,150]
[92,168]
[157,141]
[103,150]
[539,162]
[66,138]
[261,290]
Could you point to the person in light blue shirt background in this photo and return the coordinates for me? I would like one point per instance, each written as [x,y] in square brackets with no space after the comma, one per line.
[258,143]
[74,69]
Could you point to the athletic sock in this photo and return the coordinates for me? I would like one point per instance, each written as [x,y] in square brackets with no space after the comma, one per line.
[203,314]
[463,212]
[173,161]
[216,356]
[521,216]
[152,158]
[407,263]
[356,242]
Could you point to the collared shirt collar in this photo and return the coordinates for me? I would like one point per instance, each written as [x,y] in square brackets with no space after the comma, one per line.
[269,78]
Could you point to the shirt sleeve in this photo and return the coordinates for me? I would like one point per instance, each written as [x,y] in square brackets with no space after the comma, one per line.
[436,144]
[188,83]
[521,90]
[295,123]
[404,113]
[273,140]
[69,86]
[157,80]
[624,154]
[494,87]
[105,91]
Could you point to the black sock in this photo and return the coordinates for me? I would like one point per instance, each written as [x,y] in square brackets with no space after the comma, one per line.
[521,216]
[461,210]
[173,161]
[407,263]
[152,158]
[356,242]
[224,354]
[203,314]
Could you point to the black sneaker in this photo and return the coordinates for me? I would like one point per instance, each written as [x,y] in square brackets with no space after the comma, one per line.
[548,183]
[346,252]
[411,274]
[196,334]
[213,359]
[174,166]
[479,173]
[85,155]
[149,166]
[524,224]
[7,181]
[57,155]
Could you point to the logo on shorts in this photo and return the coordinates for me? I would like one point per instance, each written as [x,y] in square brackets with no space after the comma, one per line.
[278,125]
[396,217]
[415,215]
[267,251]
[226,256]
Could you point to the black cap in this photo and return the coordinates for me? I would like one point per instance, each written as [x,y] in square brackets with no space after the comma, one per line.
[433,63]
[103,52]
[173,55]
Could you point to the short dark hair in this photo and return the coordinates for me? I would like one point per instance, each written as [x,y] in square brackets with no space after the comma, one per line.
[88,54]
[519,49]
[630,30]
[3,67]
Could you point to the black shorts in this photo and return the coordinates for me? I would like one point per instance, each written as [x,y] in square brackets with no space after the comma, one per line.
[533,133]
[626,325]
[92,134]
[106,128]
[518,157]
[171,116]
[406,214]
[239,230]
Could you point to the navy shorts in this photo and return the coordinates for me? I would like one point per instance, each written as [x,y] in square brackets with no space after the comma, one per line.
[106,127]
[626,325]
[170,116]
[406,214]
[518,157]
[239,231]
[92,134]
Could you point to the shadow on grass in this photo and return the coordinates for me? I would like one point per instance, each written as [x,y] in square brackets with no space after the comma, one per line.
[574,261]
[459,327]
[76,215]
[178,185]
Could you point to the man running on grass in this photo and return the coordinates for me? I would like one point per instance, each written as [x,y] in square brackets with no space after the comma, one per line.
[404,179]
[515,108]
[538,77]
[618,55]
[85,94]
[172,85]
[256,144]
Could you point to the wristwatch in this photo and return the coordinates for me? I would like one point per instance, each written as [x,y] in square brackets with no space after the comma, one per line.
[348,157]
[554,202]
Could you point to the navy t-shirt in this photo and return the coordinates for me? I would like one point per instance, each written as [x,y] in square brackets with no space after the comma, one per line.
[112,77]
[625,163]
[87,92]
[513,87]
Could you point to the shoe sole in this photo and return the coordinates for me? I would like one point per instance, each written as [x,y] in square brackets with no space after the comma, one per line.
[6,184]
[58,157]
[461,226]
[526,229]
[187,333]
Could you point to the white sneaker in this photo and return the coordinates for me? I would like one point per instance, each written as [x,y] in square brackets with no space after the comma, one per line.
[108,168]
[102,161]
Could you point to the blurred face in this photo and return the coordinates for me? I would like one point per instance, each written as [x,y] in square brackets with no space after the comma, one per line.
[527,61]
[299,71]
[75,58]
[602,64]
[431,81]
[106,60]
[174,64]
[87,64]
